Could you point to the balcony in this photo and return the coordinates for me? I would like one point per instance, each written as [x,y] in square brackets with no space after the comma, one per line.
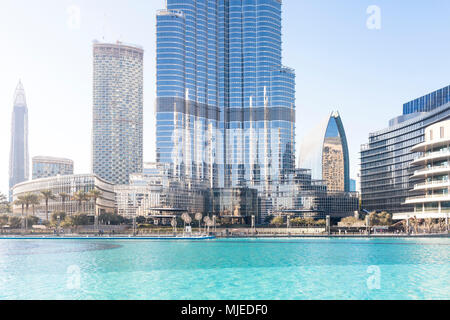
[432,185]
[431,171]
[440,155]
[428,198]
[424,146]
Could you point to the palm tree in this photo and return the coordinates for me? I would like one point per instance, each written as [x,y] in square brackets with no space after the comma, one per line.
[29,199]
[20,202]
[47,195]
[429,224]
[95,194]
[80,196]
[64,196]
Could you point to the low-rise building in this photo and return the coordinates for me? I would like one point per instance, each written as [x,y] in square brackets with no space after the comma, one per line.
[67,186]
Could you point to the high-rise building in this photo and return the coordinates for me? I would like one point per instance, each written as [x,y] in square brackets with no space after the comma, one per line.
[45,167]
[18,156]
[430,196]
[117,141]
[387,160]
[428,102]
[225,103]
[325,151]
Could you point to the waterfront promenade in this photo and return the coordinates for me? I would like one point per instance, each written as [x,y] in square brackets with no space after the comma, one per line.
[221,233]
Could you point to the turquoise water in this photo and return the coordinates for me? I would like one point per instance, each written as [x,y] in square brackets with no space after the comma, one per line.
[226,269]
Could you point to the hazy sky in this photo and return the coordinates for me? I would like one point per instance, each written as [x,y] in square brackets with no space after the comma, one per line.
[366,74]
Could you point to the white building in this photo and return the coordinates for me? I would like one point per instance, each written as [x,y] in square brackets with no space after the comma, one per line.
[117,140]
[430,195]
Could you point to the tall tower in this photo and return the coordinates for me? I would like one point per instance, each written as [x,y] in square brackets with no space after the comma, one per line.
[117,141]
[225,104]
[324,150]
[18,156]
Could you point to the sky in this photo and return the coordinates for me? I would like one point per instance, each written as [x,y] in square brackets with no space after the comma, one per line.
[365,63]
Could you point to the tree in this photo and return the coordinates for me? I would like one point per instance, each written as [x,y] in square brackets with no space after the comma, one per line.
[321,222]
[4,204]
[80,196]
[277,221]
[268,219]
[405,225]
[310,221]
[64,196]
[62,216]
[20,202]
[415,223]
[81,219]
[429,224]
[15,222]
[95,194]
[3,220]
[111,218]
[380,219]
[47,195]
[28,199]
[297,222]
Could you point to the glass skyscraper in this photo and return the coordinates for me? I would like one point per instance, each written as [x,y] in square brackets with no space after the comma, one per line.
[18,157]
[428,102]
[225,104]
[387,160]
[117,141]
[45,167]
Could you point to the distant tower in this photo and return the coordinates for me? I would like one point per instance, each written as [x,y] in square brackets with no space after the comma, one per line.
[325,151]
[117,140]
[18,157]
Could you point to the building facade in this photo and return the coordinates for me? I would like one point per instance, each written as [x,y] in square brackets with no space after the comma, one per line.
[325,151]
[428,102]
[238,205]
[18,156]
[225,104]
[387,161]
[155,188]
[430,195]
[306,197]
[67,185]
[117,141]
[45,167]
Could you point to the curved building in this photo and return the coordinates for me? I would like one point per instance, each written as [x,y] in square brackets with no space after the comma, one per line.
[118,101]
[430,196]
[18,157]
[386,168]
[225,108]
[45,167]
[325,151]
[68,185]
